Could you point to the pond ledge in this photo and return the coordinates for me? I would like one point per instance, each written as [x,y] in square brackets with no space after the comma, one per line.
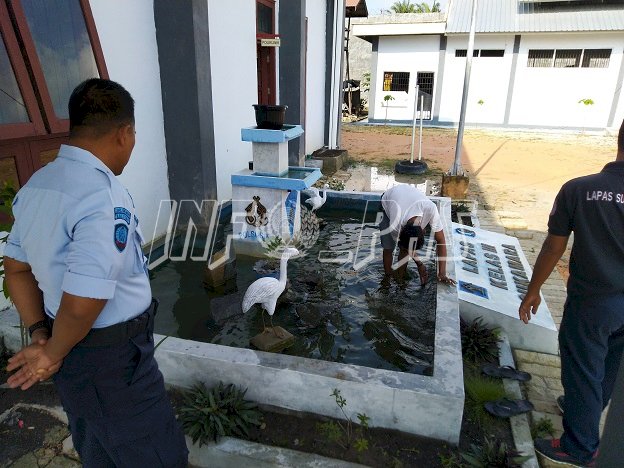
[520,427]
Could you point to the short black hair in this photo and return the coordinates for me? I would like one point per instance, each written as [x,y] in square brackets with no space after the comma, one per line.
[99,106]
[621,139]
[408,232]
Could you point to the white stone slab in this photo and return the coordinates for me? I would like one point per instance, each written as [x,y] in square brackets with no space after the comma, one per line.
[500,307]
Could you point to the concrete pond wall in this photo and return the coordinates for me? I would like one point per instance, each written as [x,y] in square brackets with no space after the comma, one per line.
[430,406]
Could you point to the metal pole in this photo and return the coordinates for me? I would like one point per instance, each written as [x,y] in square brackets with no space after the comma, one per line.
[414,125]
[462,115]
[422,101]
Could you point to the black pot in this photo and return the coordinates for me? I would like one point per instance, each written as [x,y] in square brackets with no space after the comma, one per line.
[270,117]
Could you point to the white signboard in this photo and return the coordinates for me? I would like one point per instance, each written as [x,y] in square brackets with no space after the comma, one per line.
[492,278]
[276,42]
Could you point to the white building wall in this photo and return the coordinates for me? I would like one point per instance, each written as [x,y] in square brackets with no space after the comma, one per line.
[234,85]
[129,39]
[489,81]
[549,96]
[619,113]
[315,76]
[402,54]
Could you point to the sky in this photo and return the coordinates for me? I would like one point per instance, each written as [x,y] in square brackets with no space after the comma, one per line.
[374,6]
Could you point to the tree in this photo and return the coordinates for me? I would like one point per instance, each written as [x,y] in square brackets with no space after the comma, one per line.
[403,6]
[406,6]
[425,8]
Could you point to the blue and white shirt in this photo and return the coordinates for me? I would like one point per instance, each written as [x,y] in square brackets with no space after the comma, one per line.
[75,225]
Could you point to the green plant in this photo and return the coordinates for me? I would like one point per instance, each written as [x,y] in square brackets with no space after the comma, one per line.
[207,414]
[587,102]
[494,453]
[478,391]
[479,343]
[387,99]
[365,82]
[406,6]
[345,434]
[7,194]
[449,460]
[542,427]
[480,102]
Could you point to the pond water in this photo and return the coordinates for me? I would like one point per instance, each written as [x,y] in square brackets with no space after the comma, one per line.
[336,313]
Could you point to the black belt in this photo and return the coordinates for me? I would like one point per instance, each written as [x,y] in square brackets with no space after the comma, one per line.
[120,332]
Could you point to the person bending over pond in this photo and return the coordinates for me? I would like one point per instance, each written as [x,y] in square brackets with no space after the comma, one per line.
[406,213]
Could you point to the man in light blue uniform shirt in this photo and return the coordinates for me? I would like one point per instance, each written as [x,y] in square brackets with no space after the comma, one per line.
[77,275]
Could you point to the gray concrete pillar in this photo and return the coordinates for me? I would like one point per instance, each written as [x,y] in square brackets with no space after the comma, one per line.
[182,38]
[292,59]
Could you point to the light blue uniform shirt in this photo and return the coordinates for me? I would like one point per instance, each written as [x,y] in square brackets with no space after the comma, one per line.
[75,225]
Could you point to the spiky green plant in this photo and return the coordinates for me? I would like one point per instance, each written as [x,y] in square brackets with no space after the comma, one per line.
[479,343]
[494,453]
[208,414]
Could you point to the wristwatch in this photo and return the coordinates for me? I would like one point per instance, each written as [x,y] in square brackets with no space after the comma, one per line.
[36,326]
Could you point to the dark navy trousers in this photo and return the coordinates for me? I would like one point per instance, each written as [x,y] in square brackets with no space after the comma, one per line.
[119,413]
[591,341]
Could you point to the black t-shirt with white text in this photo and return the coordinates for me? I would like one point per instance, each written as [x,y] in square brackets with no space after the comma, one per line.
[593,208]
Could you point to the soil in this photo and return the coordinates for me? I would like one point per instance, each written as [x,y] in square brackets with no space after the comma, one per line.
[386,448]
[509,170]
[292,430]
[31,436]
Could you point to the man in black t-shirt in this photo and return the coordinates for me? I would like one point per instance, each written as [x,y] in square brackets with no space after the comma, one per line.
[591,336]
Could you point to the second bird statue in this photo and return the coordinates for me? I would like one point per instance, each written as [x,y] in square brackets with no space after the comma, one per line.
[266,291]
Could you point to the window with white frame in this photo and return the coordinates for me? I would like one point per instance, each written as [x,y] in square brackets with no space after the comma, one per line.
[539,58]
[569,58]
[596,58]
[481,53]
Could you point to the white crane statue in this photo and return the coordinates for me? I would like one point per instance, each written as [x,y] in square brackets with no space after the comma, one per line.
[316,200]
[266,291]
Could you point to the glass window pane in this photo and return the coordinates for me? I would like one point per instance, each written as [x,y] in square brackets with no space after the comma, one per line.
[265,19]
[8,172]
[12,107]
[60,35]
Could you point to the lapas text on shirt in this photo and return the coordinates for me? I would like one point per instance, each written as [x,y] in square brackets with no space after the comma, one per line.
[599,195]
[122,213]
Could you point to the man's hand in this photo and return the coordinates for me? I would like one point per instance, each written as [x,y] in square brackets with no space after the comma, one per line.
[529,305]
[33,365]
[442,278]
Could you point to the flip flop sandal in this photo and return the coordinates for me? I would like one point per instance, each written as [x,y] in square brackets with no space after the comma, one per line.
[505,408]
[505,372]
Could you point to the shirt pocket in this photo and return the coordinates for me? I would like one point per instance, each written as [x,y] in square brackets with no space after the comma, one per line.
[140,261]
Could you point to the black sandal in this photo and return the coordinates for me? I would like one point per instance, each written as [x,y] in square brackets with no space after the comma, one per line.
[505,372]
[505,408]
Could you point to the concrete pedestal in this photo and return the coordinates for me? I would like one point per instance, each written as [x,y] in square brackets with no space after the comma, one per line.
[273,340]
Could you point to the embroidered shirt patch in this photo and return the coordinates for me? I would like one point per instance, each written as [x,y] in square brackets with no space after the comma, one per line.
[122,213]
[121,236]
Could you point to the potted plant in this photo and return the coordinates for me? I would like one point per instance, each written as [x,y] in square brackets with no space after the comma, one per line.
[387,99]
